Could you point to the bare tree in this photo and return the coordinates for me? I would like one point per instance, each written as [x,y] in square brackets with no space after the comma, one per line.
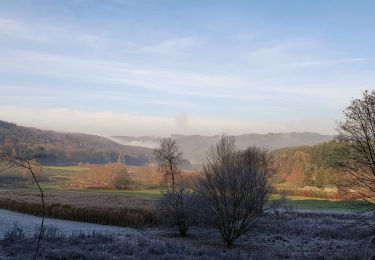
[233,187]
[169,157]
[357,132]
[179,205]
[176,201]
[29,164]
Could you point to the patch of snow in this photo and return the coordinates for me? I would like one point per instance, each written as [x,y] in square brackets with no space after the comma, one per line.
[31,223]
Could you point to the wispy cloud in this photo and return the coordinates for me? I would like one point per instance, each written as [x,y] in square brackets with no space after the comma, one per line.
[31,31]
[60,37]
[173,46]
[106,71]
[296,53]
[323,63]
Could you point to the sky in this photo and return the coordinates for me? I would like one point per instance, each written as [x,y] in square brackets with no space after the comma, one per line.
[155,67]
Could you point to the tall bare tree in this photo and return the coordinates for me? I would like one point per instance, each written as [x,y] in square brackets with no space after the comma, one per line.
[357,132]
[169,157]
[177,197]
[233,188]
[29,164]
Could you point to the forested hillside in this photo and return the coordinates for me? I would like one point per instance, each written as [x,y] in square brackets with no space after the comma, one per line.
[68,148]
[308,165]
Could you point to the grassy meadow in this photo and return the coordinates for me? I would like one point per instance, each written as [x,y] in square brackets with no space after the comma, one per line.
[76,182]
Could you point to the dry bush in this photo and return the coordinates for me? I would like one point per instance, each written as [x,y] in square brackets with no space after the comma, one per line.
[150,177]
[178,205]
[112,175]
[14,234]
[146,175]
[233,188]
[125,217]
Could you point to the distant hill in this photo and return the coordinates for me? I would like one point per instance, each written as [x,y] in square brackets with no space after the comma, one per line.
[72,148]
[195,147]
[68,148]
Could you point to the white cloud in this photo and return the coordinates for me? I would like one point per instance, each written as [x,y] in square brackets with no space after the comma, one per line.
[107,71]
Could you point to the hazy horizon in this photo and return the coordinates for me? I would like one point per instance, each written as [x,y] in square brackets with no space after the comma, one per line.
[157,136]
[199,67]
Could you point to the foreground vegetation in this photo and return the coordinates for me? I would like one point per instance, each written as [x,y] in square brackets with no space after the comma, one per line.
[124,217]
[292,235]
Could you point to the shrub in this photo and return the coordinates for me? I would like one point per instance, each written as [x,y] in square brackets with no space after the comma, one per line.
[178,206]
[125,217]
[112,175]
[14,234]
[233,188]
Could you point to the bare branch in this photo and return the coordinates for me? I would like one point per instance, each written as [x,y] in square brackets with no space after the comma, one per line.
[28,163]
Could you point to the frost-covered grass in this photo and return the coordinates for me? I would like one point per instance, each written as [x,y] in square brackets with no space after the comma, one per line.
[29,223]
[292,235]
[99,246]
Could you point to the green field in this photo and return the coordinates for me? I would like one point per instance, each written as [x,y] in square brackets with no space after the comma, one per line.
[66,168]
[60,179]
[319,204]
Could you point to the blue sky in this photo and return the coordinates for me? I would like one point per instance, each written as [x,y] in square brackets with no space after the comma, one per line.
[193,67]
